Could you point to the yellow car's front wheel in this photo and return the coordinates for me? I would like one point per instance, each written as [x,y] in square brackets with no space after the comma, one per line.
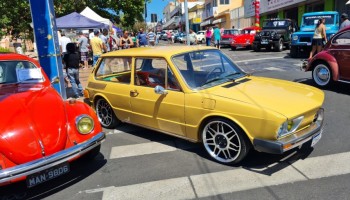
[225,141]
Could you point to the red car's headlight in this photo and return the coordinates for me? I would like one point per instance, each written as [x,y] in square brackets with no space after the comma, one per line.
[85,124]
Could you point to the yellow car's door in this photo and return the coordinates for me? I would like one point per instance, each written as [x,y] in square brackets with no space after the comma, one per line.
[164,112]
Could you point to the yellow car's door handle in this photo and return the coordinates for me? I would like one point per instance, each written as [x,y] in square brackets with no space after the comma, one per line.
[133,93]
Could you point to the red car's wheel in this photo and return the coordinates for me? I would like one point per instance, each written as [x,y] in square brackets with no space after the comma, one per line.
[322,75]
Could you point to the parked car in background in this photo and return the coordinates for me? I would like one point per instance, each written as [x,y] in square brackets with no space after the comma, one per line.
[302,40]
[201,37]
[182,38]
[245,39]
[199,94]
[228,35]
[40,132]
[275,34]
[332,63]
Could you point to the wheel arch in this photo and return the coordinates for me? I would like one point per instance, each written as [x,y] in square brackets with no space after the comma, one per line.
[206,119]
[331,63]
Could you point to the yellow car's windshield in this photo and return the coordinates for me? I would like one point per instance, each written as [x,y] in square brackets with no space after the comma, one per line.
[206,68]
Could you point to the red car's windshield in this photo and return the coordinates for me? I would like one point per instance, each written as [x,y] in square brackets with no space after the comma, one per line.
[19,72]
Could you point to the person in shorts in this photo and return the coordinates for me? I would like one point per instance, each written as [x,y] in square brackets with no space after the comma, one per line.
[83,49]
[319,36]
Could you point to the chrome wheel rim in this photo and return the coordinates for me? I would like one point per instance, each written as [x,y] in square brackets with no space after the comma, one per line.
[221,141]
[104,112]
[321,75]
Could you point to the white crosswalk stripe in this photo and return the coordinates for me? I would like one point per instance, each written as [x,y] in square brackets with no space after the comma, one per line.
[147,148]
[216,183]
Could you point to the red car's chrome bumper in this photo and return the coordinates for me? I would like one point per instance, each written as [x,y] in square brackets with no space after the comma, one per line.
[9,174]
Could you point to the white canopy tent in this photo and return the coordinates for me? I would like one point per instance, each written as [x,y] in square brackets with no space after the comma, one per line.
[87,12]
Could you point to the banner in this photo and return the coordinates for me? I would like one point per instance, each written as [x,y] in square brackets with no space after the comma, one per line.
[273,5]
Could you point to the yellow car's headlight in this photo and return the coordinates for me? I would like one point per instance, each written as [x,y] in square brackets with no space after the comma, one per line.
[85,124]
[289,126]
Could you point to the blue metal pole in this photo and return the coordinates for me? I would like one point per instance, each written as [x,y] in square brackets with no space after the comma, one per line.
[45,33]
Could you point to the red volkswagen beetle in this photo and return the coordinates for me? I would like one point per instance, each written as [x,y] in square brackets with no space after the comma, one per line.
[245,39]
[40,133]
[332,64]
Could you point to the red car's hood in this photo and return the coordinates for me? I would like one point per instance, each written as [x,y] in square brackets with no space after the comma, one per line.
[30,127]
[243,38]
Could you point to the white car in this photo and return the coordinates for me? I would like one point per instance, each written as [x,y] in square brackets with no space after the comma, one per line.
[201,36]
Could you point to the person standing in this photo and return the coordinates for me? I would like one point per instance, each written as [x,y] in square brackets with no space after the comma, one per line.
[192,37]
[97,47]
[142,38]
[71,61]
[91,34]
[319,35]
[84,49]
[208,35]
[345,21]
[168,35]
[217,37]
[133,38]
[104,38]
[126,42]
[64,40]
[151,37]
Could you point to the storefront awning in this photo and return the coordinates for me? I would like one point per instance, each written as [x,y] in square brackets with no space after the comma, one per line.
[217,21]
[207,22]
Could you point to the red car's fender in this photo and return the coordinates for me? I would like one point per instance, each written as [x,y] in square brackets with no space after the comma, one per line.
[74,109]
[326,57]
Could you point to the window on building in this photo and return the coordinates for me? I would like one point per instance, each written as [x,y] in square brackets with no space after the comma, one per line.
[224,2]
[215,3]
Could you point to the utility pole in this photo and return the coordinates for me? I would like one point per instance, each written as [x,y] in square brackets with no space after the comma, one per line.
[187,24]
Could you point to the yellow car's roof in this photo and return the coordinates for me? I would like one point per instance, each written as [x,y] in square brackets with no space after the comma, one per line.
[157,51]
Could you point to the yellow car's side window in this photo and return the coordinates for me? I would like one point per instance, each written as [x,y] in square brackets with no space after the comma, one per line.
[114,69]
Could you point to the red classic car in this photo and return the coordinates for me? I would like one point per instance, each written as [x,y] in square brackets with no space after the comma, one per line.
[332,63]
[228,35]
[40,133]
[246,38]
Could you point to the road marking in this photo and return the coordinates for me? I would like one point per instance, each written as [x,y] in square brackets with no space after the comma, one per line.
[274,69]
[148,148]
[211,184]
[258,59]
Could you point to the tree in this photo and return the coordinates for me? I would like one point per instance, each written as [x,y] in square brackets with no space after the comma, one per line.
[15,14]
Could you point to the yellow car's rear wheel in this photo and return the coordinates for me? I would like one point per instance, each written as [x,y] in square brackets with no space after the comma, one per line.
[225,141]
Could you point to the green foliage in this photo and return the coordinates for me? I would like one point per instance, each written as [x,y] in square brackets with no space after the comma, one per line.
[15,14]
[4,50]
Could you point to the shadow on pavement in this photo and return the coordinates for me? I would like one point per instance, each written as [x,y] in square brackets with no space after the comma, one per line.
[79,170]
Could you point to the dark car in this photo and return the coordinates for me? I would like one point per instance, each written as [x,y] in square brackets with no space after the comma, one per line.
[276,34]
[332,64]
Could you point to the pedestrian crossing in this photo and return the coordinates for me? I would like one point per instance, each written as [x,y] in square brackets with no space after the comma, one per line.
[216,183]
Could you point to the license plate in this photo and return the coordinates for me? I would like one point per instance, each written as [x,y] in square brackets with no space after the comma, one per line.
[48,174]
[264,42]
[308,44]
[316,138]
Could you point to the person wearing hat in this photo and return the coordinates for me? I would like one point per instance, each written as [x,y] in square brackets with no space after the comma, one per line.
[97,47]
[345,21]
[83,49]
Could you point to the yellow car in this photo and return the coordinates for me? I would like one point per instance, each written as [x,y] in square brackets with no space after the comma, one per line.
[199,94]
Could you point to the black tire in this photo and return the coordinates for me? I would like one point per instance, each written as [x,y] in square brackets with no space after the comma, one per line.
[106,114]
[233,48]
[224,141]
[203,41]
[256,48]
[322,75]
[279,46]
[293,52]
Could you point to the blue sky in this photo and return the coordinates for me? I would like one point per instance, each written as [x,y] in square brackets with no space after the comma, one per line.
[156,6]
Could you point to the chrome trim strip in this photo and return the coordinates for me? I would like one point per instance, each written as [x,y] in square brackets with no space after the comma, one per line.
[344,81]
[41,164]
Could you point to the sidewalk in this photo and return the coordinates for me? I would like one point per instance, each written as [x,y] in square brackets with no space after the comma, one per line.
[83,75]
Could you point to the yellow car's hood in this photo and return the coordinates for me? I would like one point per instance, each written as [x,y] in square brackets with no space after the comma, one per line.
[287,98]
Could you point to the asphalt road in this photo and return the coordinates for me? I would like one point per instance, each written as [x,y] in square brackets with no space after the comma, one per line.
[136,163]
